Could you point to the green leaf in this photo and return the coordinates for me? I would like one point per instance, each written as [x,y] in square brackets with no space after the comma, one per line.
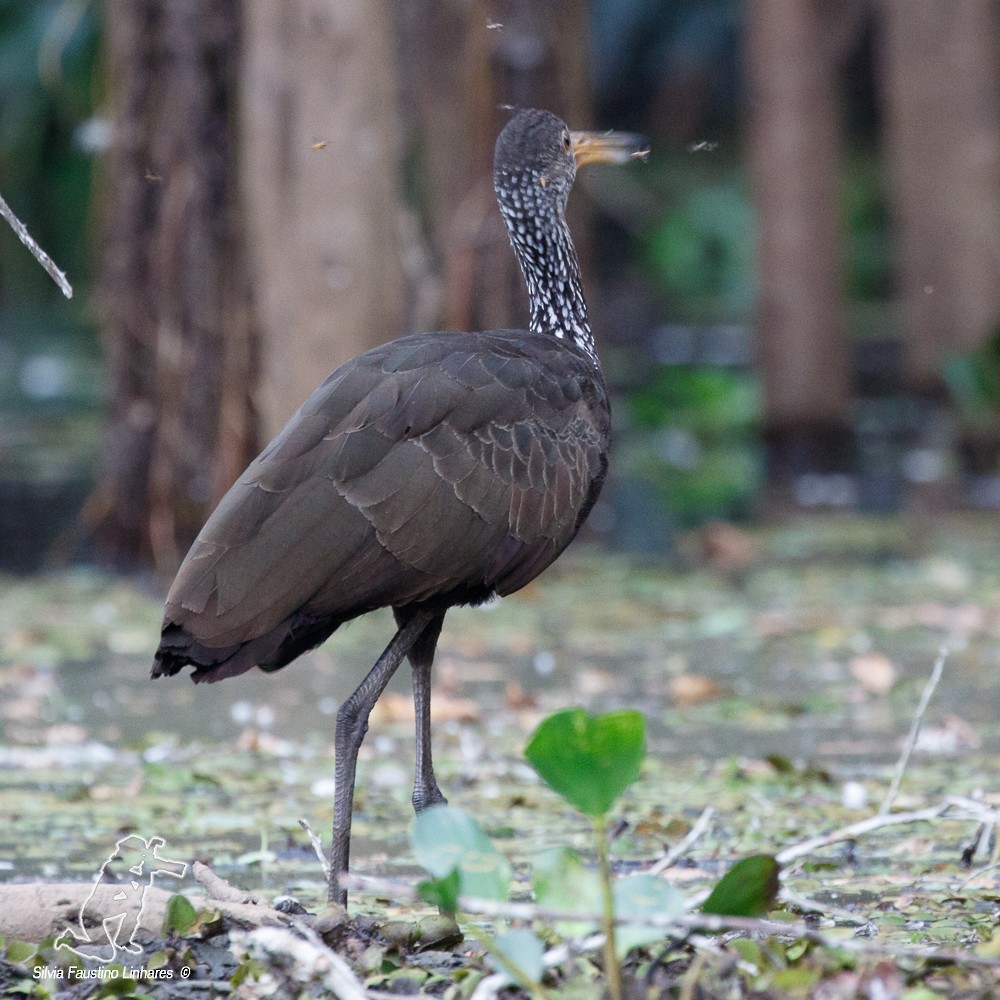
[524,952]
[442,892]
[642,896]
[444,839]
[747,890]
[564,885]
[750,951]
[588,759]
[20,951]
[180,915]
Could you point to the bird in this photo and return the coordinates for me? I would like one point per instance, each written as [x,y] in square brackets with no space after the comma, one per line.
[436,470]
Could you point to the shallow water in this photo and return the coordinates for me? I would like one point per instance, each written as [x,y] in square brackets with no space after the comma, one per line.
[813,654]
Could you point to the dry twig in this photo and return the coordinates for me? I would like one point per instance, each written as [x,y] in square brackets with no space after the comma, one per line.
[39,254]
[317,846]
[684,845]
[299,957]
[911,738]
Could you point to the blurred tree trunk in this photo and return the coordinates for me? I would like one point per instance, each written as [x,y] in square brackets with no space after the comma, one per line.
[173,283]
[941,93]
[462,65]
[250,241]
[794,160]
[322,190]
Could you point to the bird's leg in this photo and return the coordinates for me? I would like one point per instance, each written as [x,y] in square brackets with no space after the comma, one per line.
[425,787]
[352,724]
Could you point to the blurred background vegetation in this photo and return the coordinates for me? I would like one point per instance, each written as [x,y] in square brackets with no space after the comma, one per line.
[797,300]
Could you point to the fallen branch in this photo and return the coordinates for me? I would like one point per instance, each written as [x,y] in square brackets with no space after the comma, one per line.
[299,957]
[854,830]
[217,888]
[39,254]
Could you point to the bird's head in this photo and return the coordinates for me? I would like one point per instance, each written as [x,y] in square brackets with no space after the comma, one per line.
[537,156]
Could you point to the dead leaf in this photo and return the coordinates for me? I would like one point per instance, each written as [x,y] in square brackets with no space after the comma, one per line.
[515,696]
[396,708]
[874,672]
[21,709]
[65,733]
[726,547]
[752,767]
[592,681]
[950,736]
[693,689]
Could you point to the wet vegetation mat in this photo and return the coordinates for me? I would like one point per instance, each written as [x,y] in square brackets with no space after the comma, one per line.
[780,677]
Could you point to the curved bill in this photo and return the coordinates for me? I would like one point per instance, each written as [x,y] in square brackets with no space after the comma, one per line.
[608,147]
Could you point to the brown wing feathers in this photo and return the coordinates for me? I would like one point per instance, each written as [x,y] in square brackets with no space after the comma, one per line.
[441,467]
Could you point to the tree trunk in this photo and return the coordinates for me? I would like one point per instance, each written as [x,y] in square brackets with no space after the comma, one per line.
[173,289]
[251,241]
[941,91]
[794,159]
[320,176]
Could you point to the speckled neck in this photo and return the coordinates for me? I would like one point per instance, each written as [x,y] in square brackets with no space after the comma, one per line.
[533,210]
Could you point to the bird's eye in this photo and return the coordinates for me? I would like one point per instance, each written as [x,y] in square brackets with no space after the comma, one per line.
[567,144]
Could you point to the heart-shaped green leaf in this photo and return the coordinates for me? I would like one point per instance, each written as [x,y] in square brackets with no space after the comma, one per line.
[747,890]
[588,759]
[444,839]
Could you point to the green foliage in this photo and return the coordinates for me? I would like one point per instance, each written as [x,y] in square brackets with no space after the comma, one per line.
[46,92]
[563,884]
[973,379]
[446,840]
[643,896]
[748,889]
[708,401]
[442,892]
[867,229]
[520,953]
[20,952]
[694,440]
[248,971]
[50,385]
[588,759]
[702,252]
[180,915]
